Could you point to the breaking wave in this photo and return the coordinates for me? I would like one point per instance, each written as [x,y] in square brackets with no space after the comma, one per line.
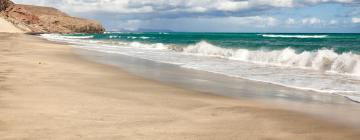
[79,37]
[269,66]
[293,36]
[323,60]
[142,45]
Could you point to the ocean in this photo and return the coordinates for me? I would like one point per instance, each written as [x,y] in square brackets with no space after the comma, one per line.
[327,63]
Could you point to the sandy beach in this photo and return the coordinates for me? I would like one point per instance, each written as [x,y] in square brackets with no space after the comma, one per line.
[47,92]
[7,27]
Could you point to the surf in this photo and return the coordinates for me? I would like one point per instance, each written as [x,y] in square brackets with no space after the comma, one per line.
[293,36]
[321,70]
[322,60]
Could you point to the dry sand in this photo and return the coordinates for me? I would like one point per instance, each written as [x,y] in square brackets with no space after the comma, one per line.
[48,93]
[7,27]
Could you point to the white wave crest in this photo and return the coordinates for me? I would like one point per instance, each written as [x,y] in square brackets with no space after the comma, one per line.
[142,45]
[293,36]
[134,37]
[79,37]
[113,32]
[323,60]
[245,63]
[63,37]
[113,36]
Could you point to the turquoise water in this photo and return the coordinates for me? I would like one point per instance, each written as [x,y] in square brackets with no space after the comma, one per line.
[328,63]
[340,43]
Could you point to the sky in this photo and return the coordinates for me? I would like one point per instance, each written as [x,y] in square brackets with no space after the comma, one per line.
[341,16]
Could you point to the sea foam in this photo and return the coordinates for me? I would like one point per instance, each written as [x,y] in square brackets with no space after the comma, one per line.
[79,37]
[322,60]
[321,70]
[293,36]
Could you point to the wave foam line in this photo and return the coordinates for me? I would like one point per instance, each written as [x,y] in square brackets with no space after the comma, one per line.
[322,60]
[352,98]
[79,37]
[293,36]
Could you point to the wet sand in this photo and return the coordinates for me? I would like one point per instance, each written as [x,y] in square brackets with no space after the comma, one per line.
[48,92]
[327,106]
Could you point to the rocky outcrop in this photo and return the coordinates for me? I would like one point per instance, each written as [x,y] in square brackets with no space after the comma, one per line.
[5,4]
[48,20]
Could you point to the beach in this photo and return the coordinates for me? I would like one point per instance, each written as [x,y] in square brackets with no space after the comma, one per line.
[8,27]
[48,92]
[324,63]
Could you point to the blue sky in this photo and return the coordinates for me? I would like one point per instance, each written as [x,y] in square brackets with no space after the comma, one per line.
[216,15]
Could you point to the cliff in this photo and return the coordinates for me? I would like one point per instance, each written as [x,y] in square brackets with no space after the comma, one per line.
[4,4]
[31,18]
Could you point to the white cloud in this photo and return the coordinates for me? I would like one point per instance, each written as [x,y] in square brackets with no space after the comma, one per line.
[311,21]
[132,14]
[197,9]
[251,21]
[142,6]
[215,23]
[257,21]
[274,3]
[146,6]
[232,5]
[333,22]
[325,1]
[290,21]
[355,20]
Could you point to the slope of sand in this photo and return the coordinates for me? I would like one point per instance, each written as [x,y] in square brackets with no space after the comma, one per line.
[7,27]
[46,92]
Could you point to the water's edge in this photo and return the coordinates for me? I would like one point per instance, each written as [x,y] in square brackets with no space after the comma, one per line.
[329,72]
[322,105]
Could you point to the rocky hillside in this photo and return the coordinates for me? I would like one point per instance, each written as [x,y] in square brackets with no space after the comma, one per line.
[4,4]
[46,19]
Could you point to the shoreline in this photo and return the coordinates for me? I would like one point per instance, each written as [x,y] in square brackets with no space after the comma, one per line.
[48,92]
[307,79]
[321,105]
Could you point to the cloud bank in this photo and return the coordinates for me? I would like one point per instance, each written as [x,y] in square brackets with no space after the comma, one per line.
[132,14]
[173,6]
